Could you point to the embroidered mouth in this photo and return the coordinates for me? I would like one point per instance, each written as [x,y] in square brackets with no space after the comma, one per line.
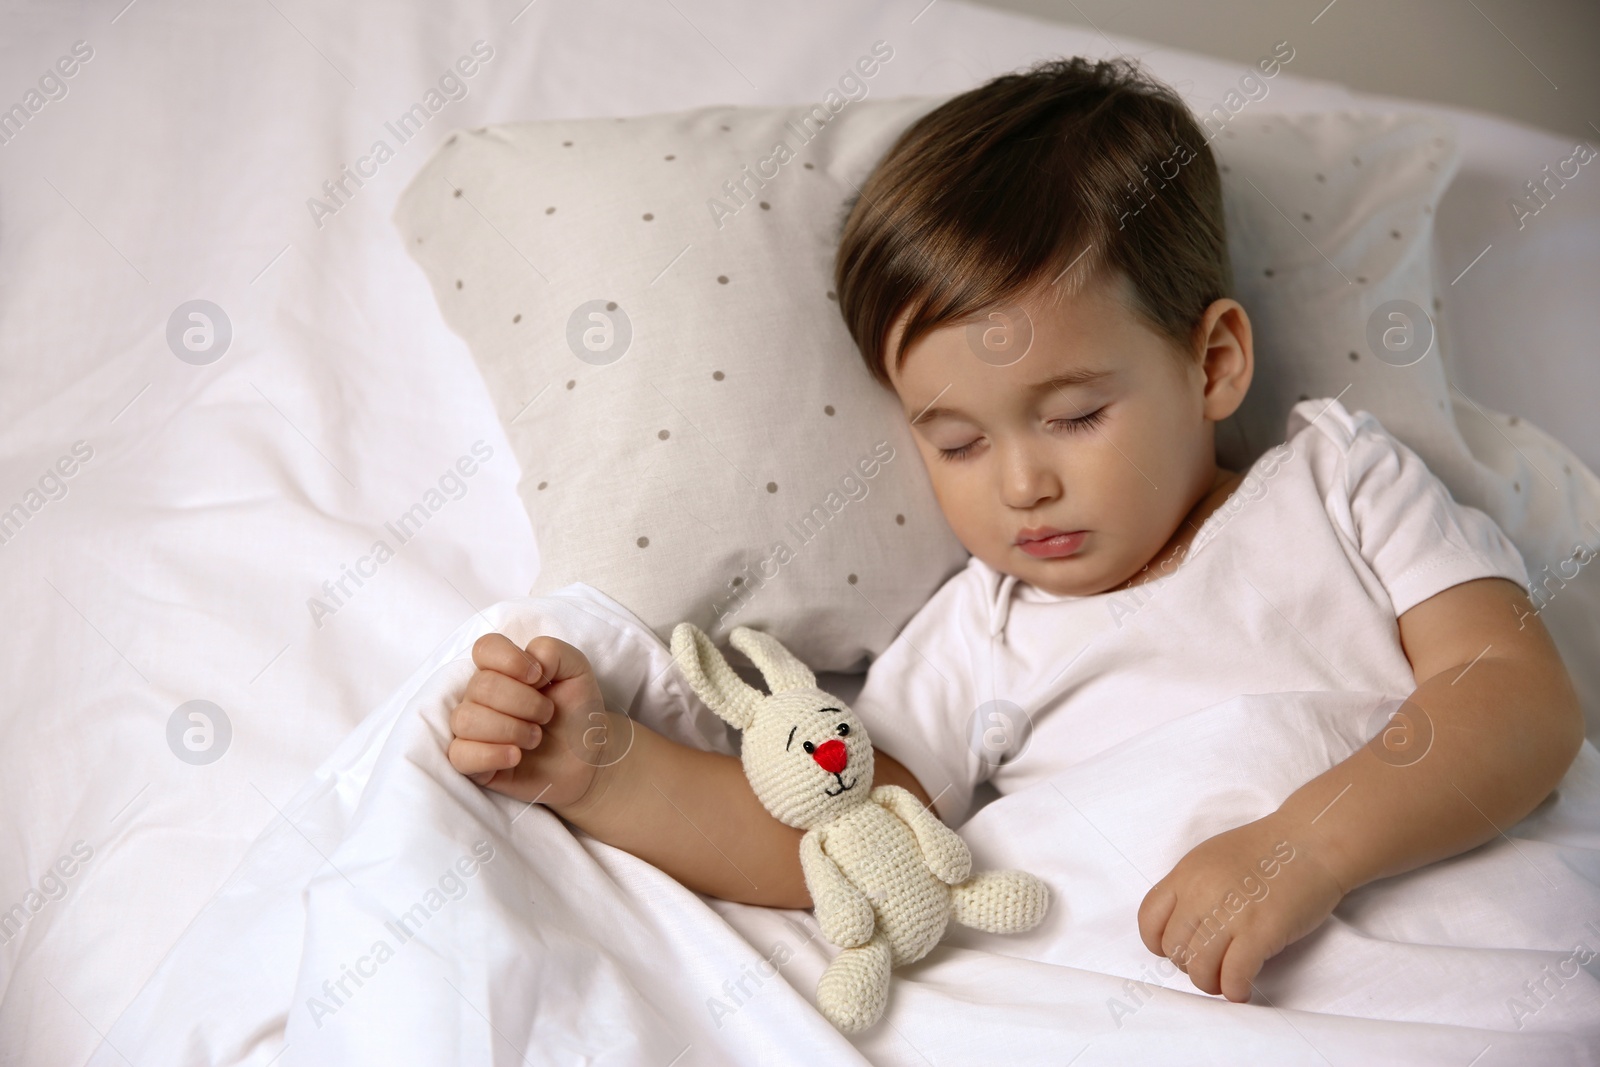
[843,785]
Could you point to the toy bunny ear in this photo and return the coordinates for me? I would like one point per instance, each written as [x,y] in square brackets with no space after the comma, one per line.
[778,665]
[713,680]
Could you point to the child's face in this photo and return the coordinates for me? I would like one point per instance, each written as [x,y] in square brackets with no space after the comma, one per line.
[1073,466]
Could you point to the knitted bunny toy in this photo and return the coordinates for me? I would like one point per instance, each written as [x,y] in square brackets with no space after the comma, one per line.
[885,874]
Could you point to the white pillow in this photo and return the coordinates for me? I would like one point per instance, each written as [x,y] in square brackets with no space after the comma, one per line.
[672,466]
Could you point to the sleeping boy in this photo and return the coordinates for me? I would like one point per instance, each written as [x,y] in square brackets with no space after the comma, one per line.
[1062,363]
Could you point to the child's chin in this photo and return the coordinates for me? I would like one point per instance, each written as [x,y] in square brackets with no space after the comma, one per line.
[1066,576]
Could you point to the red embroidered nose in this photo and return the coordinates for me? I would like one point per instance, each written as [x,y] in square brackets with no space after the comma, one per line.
[831,756]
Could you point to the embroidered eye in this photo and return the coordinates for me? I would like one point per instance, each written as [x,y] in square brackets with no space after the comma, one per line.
[844,729]
[809,747]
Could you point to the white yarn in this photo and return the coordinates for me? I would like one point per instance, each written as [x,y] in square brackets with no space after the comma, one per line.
[886,875]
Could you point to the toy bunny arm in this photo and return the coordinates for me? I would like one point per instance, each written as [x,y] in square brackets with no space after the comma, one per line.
[943,850]
[843,911]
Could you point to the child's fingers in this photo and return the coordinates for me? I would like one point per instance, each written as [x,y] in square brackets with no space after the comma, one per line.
[497,652]
[508,696]
[474,722]
[1205,962]
[479,757]
[1154,913]
[1240,965]
[557,661]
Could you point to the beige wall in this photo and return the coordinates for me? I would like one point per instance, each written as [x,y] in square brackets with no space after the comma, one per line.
[1537,61]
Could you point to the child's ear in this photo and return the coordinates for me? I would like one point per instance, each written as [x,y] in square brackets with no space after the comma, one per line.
[1226,357]
[778,665]
[712,679]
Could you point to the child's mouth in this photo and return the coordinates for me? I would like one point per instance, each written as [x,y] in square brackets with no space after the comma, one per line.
[1050,544]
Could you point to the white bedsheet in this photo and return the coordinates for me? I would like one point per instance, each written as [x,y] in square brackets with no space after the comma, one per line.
[367,943]
[218,499]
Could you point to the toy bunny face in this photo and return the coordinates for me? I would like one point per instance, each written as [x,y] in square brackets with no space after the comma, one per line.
[806,754]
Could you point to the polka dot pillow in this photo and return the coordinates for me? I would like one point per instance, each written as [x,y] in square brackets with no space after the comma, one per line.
[649,302]
[1330,231]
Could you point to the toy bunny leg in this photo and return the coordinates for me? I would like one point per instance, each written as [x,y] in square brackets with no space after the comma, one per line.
[1000,902]
[854,988]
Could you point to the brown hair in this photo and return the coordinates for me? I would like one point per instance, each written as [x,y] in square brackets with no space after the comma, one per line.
[1063,167]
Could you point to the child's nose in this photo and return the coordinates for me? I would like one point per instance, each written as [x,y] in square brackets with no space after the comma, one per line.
[831,756]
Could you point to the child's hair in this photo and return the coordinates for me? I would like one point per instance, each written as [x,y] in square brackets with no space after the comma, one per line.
[1064,169]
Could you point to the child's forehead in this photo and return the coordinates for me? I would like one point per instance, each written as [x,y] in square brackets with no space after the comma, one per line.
[1047,337]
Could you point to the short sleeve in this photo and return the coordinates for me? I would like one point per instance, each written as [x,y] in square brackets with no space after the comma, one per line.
[1415,537]
[918,697]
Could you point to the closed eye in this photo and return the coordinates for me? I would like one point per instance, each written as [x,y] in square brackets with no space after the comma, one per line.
[1082,422]
[789,742]
[962,452]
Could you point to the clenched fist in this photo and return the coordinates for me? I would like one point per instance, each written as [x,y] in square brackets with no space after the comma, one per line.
[1235,901]
[532,723]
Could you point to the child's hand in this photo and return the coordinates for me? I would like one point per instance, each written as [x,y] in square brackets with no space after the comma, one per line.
[1234,902]
[532,724]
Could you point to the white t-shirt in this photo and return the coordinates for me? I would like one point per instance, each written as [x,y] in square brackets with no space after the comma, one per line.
[1294,584]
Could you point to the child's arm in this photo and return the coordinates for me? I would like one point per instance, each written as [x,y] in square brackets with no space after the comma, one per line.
[1505,725]
[533,725]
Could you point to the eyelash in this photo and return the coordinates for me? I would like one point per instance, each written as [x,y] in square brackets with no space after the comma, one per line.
[1083,422]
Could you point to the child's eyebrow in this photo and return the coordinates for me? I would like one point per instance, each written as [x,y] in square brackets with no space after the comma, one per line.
[1065,380]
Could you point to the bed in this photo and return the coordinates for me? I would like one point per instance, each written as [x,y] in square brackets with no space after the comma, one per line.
[212,500]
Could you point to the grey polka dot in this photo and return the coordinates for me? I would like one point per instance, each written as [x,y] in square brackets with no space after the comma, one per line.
[725,129]
[611,305]
[827,409]
[765,206]
[643,542]
[671,158]
[543,485]
[808,166]
[738,579]
[1267,272]
[1321,178]
[664,434]
[572,383]
[648,216]
[1516,487]
[1356,160]
[1361,279]
[899,520]
[451,140]
[1354,356]
[722,279]
[832,295]
[458,283]
[772,487]
[1514,420]
[1437,303]
[566,144]
[419,240]
[1395,234]
[851,579]
[549,211]
[456,193]
[517,317]
[717,376]
[1225,169]
[1305,215]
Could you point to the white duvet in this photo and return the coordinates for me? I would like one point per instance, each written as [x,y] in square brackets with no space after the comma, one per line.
[398,914]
